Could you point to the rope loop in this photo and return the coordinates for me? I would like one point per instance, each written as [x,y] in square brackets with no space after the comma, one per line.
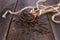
[33,10]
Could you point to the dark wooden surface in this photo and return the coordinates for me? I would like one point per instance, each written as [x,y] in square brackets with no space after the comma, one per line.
[12,28]
[5,23]
[55,27]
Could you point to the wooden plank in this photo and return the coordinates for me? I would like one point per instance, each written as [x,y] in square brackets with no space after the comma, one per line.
[4,23]
[55,27]
[19,30]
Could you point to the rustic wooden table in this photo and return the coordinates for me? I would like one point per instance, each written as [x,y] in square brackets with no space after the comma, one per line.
[12,29]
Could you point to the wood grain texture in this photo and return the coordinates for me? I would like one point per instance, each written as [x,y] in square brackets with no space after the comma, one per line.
[55,27]
[39,30]
[4,23]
